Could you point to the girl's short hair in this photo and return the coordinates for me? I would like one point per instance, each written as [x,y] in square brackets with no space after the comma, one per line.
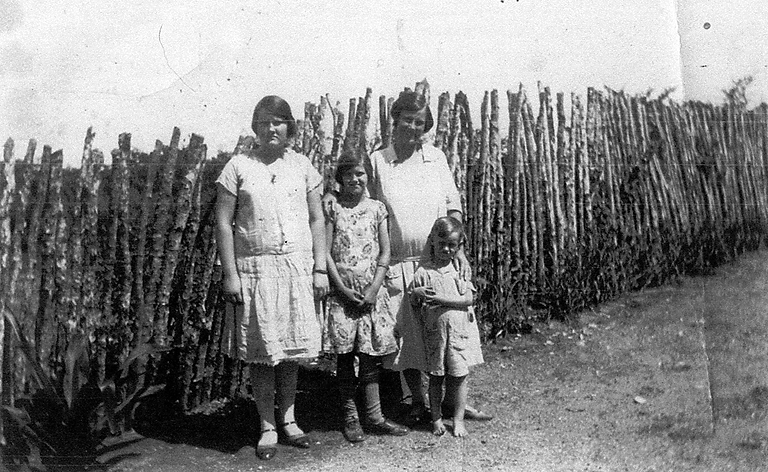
[347,161]
[410,101]
[278,108]
[446,225]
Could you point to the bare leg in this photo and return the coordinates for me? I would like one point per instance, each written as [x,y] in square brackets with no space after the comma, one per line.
[458,388]
[285,381]
[435,400]
[263,384]
[470,412]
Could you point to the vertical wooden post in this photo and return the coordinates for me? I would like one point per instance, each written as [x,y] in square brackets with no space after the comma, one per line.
[385,123]
[7,188]
[493,194]
[512,176]
[183,204]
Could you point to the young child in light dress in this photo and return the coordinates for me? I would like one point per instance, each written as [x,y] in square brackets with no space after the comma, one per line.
[443,302]
[358,320]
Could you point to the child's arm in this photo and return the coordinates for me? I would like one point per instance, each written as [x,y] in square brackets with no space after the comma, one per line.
[382,265]
[419,288]
[333,271]
[464,298]
[460,301]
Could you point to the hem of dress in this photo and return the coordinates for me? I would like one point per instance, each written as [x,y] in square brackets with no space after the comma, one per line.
[444,373]
[357,351]
[273,360]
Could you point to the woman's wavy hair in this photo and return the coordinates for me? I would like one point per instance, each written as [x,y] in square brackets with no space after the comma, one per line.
[277,107]
[411,102]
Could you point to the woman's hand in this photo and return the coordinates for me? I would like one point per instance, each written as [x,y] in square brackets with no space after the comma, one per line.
[320,285]
[461,263]
[232,290]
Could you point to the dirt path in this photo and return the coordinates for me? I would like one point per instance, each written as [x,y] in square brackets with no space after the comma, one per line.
[671,378]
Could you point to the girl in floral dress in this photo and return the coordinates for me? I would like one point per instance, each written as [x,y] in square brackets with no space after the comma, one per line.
[358,321]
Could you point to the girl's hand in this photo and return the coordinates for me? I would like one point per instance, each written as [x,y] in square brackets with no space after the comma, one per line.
[423,294]
[353,295]
[461,263]
[320,284]
[232,290]
[369,295]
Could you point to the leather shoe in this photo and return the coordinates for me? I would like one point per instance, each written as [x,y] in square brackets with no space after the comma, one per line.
[353,432]
[387,427]
[418,414]
[297,440]
[268,451]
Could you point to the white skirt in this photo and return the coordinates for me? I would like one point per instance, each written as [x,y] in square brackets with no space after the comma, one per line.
[279,318]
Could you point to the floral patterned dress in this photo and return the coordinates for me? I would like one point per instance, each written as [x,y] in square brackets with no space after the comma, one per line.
[355,251]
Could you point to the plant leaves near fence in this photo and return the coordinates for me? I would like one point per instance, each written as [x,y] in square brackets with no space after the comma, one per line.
[28,350]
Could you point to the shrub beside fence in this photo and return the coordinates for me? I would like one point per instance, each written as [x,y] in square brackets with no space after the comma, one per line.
[565,210]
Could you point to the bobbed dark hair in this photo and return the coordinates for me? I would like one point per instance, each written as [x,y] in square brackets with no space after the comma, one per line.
[410,101]
[442,227]
[446,225]
[347,161]
[277,107]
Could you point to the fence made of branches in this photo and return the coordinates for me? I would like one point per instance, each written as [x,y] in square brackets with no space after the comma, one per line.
[565,209]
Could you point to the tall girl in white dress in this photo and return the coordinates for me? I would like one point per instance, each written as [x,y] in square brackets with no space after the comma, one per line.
[271,240]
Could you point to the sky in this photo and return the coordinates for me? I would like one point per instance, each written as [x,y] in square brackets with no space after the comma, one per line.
[144,67]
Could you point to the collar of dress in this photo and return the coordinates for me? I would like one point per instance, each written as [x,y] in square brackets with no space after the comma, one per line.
[441,270]
[390,157]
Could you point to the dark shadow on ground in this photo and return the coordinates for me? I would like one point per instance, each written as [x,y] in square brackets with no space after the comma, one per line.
[234,424]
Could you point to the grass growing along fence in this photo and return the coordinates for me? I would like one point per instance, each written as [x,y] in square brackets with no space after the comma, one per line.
[563,210]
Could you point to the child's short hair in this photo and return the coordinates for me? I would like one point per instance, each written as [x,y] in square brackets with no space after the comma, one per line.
[446,225]
[347,161]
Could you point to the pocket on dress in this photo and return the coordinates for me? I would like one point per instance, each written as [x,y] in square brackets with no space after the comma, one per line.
[459,338]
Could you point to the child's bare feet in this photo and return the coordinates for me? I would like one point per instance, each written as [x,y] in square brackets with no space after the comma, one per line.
[459,431]
[438,428]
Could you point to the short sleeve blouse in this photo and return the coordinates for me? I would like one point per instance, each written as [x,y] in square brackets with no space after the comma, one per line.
[272,214]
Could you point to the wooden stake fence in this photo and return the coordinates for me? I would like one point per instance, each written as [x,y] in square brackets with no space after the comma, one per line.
[569,208]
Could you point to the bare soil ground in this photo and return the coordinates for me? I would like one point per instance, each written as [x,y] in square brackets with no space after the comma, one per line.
[670,378]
